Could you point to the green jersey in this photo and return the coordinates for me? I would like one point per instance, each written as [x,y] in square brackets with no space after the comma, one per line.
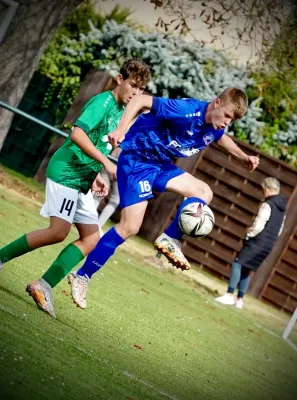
[70,166]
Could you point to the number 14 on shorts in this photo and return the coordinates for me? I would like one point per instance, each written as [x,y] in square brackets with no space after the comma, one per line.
[67,206]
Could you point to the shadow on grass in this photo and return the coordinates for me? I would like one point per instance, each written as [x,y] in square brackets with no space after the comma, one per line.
[15,295]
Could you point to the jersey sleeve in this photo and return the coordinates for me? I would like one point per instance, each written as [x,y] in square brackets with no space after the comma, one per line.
[174,108]
[92,114]
[218,134]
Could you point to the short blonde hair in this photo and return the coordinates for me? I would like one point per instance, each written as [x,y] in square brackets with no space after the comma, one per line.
[237,99]
[271,183]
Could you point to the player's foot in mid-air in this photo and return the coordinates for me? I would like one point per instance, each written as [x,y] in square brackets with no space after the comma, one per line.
[171,250]
[79,285]
[41,293]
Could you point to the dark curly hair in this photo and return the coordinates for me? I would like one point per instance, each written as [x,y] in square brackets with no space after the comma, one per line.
[136,69]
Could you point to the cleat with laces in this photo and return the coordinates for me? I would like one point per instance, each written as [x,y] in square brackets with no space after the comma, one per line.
[171,250]
[79,285]
[41,292]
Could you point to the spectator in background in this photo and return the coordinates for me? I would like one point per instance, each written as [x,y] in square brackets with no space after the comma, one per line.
[113,197]
[258,243]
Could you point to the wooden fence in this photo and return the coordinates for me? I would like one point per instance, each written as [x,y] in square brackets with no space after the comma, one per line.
[237,196]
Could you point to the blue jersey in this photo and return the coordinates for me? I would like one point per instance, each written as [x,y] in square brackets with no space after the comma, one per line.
[173,128]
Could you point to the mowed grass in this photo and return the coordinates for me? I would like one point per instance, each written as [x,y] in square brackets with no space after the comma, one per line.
[147,333]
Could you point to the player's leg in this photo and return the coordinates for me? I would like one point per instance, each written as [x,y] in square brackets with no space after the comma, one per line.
[191,188]
[68,258]
[129,225]
[134,193]
[176,180]
[131,220]
[88,239]
[85,220]
[55,233]
[60,207]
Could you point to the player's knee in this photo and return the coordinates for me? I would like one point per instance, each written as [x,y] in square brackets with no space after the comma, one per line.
[208,193]
[58,236]
[131,231]
[127,230]
[203,191]
[93,240]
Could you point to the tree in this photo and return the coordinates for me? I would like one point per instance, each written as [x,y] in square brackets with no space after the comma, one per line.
[282,58]
[32,27]
[255,23]
[78,21]
[67,73]
[179,68]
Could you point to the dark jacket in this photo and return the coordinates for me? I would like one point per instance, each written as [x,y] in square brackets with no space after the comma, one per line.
[256,249]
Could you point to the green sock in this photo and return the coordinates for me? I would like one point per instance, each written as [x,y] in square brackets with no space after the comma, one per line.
[66,260]
[14,249]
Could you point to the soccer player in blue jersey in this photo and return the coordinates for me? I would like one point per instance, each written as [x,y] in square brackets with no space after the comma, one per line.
[170,129]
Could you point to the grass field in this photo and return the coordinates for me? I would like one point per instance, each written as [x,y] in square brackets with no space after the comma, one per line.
[148,333]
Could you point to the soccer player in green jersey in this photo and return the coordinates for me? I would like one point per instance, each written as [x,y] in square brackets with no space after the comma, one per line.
[73,170]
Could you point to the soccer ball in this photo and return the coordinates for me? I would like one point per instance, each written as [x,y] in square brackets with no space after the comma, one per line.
[196,220]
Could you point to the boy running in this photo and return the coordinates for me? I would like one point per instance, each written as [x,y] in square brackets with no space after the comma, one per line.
[72,171]
[172,128]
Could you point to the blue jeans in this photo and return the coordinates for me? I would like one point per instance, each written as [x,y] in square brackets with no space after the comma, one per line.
[239,274]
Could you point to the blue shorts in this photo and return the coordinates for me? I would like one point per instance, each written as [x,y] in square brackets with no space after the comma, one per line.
[137,178]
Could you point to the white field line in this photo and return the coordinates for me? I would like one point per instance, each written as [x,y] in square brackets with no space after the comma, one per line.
[79,348]
[290,343]
[126,373]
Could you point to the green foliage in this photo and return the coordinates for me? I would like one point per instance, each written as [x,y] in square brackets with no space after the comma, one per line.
[277,88]
[67,71]
[277,137]
[179,69]
[79,21]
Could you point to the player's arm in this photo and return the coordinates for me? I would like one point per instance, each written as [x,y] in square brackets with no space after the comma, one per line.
[250,162]
[136,105]
[81,139]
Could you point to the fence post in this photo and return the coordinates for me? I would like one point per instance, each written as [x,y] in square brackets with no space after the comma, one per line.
[290,325]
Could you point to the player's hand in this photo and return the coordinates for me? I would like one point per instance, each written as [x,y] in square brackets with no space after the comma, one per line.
[251,162]
[111,170]
[116,137]
[99,186]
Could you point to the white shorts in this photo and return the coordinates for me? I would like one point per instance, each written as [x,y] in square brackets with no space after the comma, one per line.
[69,204]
